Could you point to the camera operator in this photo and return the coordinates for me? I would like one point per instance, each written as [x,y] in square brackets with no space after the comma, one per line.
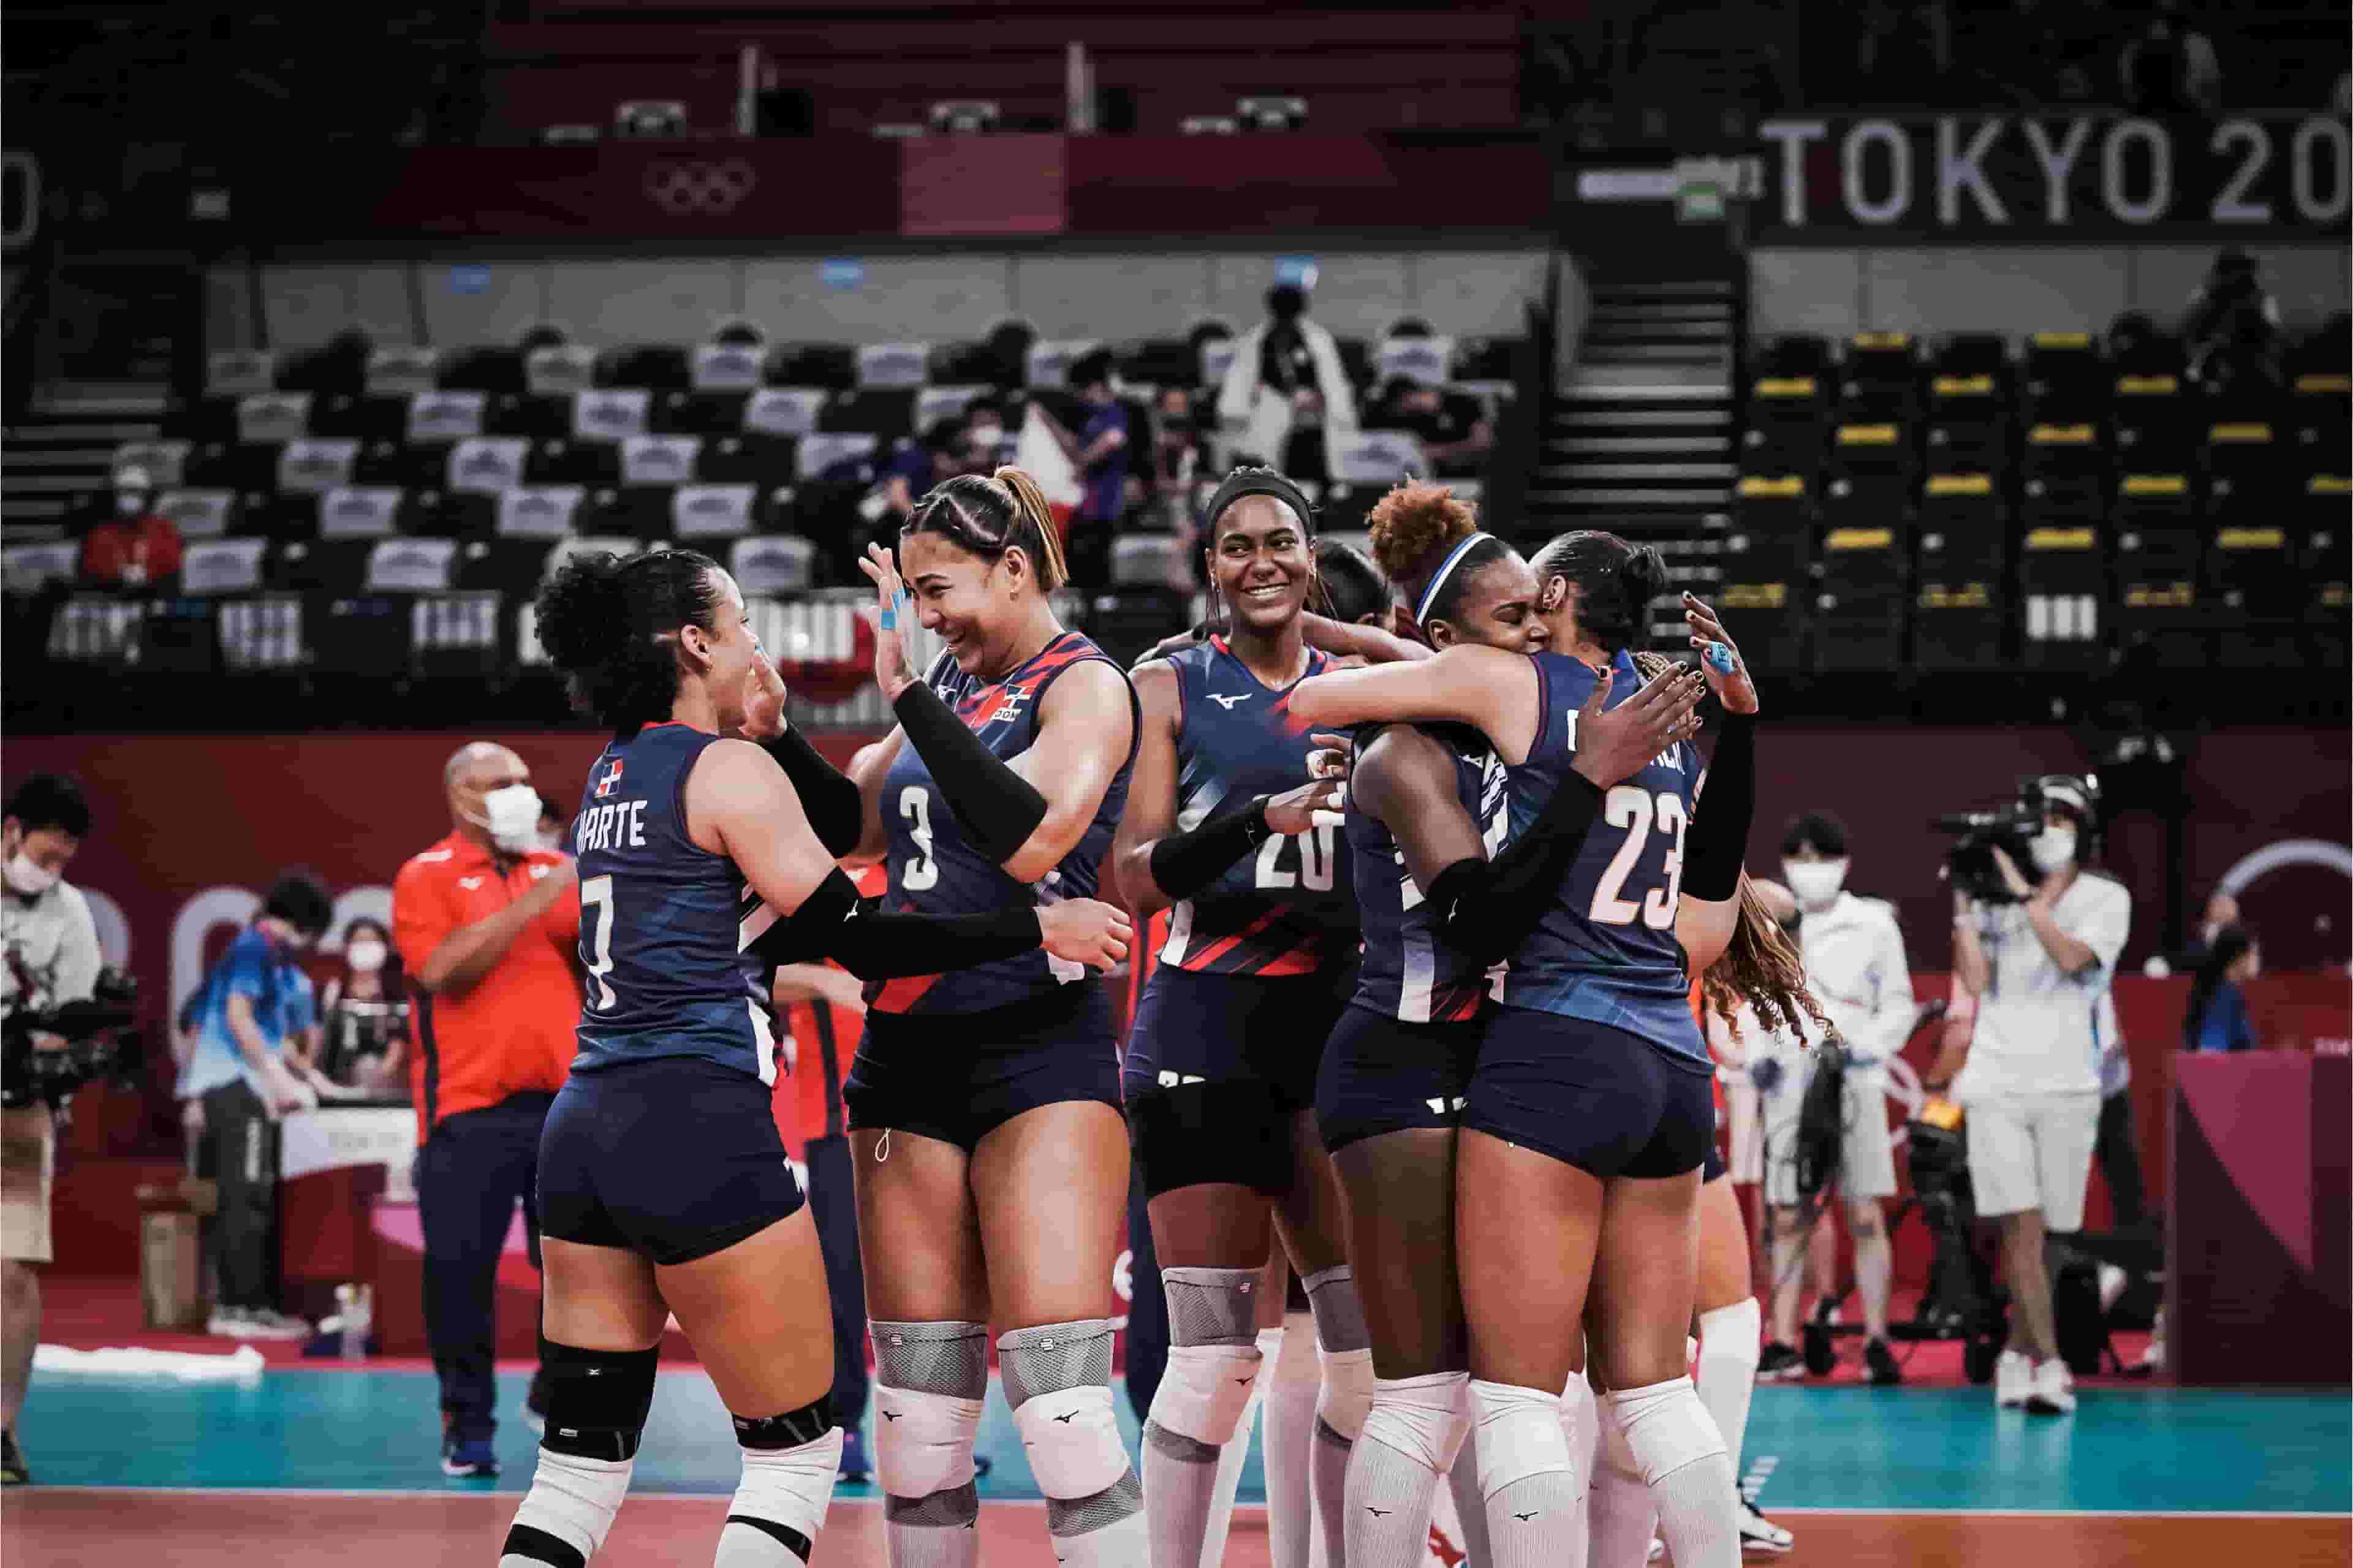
[49,955]
[2038,961]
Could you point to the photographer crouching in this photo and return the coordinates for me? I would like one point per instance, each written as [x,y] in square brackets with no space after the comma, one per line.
[48,959]
[2038,952]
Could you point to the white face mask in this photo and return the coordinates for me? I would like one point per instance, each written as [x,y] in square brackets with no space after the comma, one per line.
[510,815]
[1816,882]
[365,956]
[27,877]
[2054,849]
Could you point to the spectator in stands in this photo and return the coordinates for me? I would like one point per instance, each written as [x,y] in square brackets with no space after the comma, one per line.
[2169,66]
[914,466]
[990,444]
[1455,433]
[1103,454]
[1287,371]
[2217,1017]
[254,1015]
[133,550]
[2233,328]
[1907,41]
[488,924]
[363,1020]
[1177,468]
[49,955]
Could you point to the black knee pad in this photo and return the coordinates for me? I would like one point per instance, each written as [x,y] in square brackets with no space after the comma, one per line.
[1189,1133]
[791,1429]
[596,1400]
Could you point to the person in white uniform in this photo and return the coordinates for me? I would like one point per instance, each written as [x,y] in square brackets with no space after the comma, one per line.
[1856,966]
[2030,1076]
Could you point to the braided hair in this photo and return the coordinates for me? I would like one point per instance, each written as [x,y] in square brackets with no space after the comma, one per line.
[609,626]
[1616,581]
[987,517]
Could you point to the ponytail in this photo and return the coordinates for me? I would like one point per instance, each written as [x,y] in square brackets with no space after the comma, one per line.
[1030,506]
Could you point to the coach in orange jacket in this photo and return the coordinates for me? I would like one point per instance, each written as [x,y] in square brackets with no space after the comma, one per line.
[488,924]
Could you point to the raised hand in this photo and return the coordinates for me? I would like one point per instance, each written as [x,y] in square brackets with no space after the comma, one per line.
[1614,743]
[1727,672]
[1085,931]
[892,672]
[764,698]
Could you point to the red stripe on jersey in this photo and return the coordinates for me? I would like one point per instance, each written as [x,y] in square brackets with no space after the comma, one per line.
[897,995]
[1224,945]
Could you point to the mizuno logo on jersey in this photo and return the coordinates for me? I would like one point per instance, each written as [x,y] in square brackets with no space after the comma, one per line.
[1170,1080]
[610,782]
[1226,702]
[1440,1104]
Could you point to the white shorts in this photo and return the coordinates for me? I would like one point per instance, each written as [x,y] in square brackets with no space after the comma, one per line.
[2033,1152]
[28,1151]
[1746,1164]
[1866,1151]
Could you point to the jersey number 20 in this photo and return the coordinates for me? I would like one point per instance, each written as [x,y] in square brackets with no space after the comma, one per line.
[1315,872]
[1630,807]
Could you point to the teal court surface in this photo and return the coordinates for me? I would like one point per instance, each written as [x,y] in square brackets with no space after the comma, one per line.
[245,1471]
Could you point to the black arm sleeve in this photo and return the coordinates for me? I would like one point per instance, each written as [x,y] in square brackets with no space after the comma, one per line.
[1486,908]
[873,943]
[1717,841]
[1184,863]
[995,805]
[828,797]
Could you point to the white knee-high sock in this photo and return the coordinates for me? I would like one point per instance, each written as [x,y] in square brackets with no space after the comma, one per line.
[572,1500]
[1682,1458]
[1527,1478]
[1290,1441]
[778,1506]
[1462,1488]
[1237,1453]
[1409,1440]
[1619,1509]
[1729,1351]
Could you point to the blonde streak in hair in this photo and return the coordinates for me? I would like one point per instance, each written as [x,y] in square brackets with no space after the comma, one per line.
[1030,500]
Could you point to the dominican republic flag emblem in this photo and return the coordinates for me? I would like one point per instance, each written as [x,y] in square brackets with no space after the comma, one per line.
[610,782]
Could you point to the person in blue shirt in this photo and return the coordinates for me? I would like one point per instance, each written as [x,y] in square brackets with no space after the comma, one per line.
[2217,1019]
[257,1005]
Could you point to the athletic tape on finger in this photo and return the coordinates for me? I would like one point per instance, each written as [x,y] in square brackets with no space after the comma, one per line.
[1720,660]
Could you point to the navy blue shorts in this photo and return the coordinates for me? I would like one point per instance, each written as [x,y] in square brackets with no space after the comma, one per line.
[1606,1102]
[1193,1026]
[672,1158]
[958,1077]
[1384,1075]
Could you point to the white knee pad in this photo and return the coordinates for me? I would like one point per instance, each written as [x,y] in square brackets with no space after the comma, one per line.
[1205,1390]
[1666,1428]
[1425,1419]
[1345,1394]
[1519,1435]
[1073,1441]
[923,1442]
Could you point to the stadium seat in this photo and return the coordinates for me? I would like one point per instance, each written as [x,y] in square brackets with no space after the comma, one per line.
[1879,457]
[826,456]
[1879,380]
[785,410]
[487,368]
[1772,536]
[371,511]
[2321,540]
[886,414]
[831,366]
[402,371]
[198,513]
[746,459]
[2158,551]
[487,464]
[892,365]
[642,512]
[2151,414]
[2254,594]
[769,565]
[1157,362]
[659,459]
[704,515]
[2246,475]
[411,565]
[241,373]
[27,569]
[659,367]
[211,566]
[273,418]
[697,412]
[933,404]
[380,463]
[727,367]
[314,465]
[455,634]
[333,567]
[2064,592]
[2063,468]
[1795,354]
[1960,606]
[609,413]
[562,462]
[559,369]
[445,415]
[264,633]
[165,463]
[1146,560]
[1124,622]
[2066,381]
[1865,583]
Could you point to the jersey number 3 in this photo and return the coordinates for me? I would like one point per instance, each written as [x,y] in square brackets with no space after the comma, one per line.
[1630,807]
[923,872]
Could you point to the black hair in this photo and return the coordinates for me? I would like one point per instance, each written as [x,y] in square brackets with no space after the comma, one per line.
[1286,301]
[2229,945]
[374,925]
[300,900]
[1351,582]
[608,624]
[1815,830]
[51,801]
[942,435]
[392,979]
[1615,581]
[986,517]
[1090,368]
[550,806]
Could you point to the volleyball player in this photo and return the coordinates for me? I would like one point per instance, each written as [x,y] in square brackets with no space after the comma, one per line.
[983,1104]
[1443,902]
[1588,1117]
[663,1184]
[1225,830]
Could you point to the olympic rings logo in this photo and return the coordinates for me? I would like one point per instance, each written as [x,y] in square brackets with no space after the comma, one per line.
[701,190]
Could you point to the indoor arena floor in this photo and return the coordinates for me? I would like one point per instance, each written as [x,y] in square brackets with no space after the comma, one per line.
[326,1461]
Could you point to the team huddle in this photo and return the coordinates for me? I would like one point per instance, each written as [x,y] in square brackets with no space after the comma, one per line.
[1438,888]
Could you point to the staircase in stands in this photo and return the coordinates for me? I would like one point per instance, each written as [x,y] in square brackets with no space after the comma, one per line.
[62,450]
[1640,439]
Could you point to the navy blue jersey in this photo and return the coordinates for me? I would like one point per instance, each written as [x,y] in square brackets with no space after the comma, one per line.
[1289,906]
[1605,951]
[661,931]
[935,869]
[1406,972]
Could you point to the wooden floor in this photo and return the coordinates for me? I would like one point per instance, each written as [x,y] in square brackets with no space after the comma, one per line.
[57,1528]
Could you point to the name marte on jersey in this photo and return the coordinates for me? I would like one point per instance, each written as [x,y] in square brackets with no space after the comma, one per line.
[617,826]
